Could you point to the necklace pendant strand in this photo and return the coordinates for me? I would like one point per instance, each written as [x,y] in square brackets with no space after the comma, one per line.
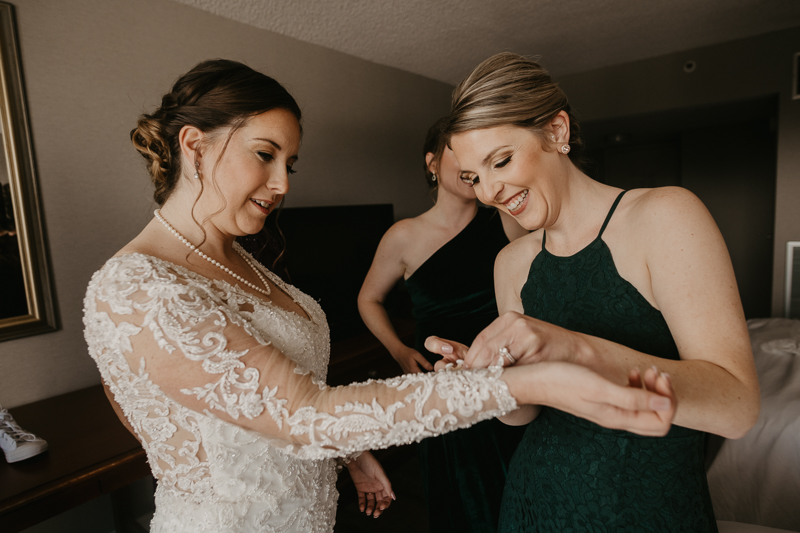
[266,290]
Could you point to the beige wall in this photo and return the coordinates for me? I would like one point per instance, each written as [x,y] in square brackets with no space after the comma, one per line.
[732,71]
[91,66]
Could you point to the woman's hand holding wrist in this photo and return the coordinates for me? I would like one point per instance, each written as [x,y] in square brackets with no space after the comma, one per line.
[528,340]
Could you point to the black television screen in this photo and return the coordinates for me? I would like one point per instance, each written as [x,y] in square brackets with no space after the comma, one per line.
[328,253]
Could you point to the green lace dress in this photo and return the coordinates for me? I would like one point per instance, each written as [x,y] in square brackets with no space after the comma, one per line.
[452,295]
[570,475]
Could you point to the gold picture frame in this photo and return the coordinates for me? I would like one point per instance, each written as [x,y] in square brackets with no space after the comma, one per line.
[23,214]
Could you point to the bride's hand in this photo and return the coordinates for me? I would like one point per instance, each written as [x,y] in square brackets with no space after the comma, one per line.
[528,340]
[373,487]
[646,406]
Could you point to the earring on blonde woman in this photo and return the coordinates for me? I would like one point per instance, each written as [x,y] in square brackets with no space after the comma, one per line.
[197,170]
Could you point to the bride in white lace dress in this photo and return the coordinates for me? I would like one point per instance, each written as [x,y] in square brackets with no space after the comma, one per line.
[218,367]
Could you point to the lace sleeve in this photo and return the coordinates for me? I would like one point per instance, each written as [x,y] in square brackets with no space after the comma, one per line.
[185,339]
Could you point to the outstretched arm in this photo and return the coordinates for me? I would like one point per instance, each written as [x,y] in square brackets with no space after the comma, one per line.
[202,354]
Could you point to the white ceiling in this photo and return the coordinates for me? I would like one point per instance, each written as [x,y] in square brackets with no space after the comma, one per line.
[445,39]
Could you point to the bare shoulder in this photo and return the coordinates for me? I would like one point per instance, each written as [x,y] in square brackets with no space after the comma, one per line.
[666,208]
[519,253]
[402,233]
[147,243]
[671,226]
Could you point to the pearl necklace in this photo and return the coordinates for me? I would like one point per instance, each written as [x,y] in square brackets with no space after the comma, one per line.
[222,267]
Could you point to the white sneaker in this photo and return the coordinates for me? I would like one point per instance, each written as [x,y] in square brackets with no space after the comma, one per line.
[17,443]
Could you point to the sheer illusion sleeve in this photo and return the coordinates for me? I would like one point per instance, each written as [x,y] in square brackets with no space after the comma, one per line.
[190,342]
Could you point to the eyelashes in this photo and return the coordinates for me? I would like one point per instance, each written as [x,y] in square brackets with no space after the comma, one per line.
[503,163]
[473,180]
[268,158]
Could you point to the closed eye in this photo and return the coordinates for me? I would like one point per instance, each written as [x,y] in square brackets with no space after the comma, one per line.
[503,163]
[290,170]
[266,156]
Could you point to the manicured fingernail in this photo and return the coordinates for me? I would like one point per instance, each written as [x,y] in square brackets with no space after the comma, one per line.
[655,369]
[667,377]
[660,403]
[393,496]
[446,348]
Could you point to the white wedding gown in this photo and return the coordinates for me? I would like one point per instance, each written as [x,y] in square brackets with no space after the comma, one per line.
[227,394]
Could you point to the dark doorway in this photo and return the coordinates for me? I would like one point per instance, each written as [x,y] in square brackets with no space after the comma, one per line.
[725,154]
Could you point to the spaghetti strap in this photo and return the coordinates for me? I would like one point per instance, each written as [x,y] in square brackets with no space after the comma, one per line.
[610,212]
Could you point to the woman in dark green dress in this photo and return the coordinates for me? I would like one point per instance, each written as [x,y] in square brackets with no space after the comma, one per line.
[463,472]
[612,281]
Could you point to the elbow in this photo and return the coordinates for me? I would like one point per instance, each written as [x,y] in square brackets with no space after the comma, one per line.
[367,303]
[745,418]
[363,304]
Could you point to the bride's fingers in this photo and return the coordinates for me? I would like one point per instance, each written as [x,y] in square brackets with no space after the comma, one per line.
[382,504]
[361,501]
[370,503]
[383,479]
[646,423]
[441,364]
[663,386]
[637,410]
[649,377]
[635,378]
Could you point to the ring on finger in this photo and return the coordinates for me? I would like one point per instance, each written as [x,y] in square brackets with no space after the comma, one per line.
[505,353]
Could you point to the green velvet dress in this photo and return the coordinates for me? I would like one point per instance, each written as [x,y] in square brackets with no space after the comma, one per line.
[453,297]
[570,475]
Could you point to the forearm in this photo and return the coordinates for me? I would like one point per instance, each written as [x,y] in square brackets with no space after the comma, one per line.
[374,315]
[524,415]
[711,398]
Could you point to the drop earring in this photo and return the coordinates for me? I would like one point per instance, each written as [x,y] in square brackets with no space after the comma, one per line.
[196,170]
[434,178]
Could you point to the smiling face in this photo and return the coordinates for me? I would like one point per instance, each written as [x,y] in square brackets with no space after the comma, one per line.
[510,169]
[449,177]
[252,174]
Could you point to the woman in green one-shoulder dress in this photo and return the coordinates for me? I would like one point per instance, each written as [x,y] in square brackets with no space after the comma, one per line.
[446,256]
[612,280]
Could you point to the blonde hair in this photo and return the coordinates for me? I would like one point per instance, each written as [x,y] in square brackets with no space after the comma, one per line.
[509,89]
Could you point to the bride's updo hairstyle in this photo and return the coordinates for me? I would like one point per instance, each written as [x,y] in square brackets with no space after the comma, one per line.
[215,94]
[509,89]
